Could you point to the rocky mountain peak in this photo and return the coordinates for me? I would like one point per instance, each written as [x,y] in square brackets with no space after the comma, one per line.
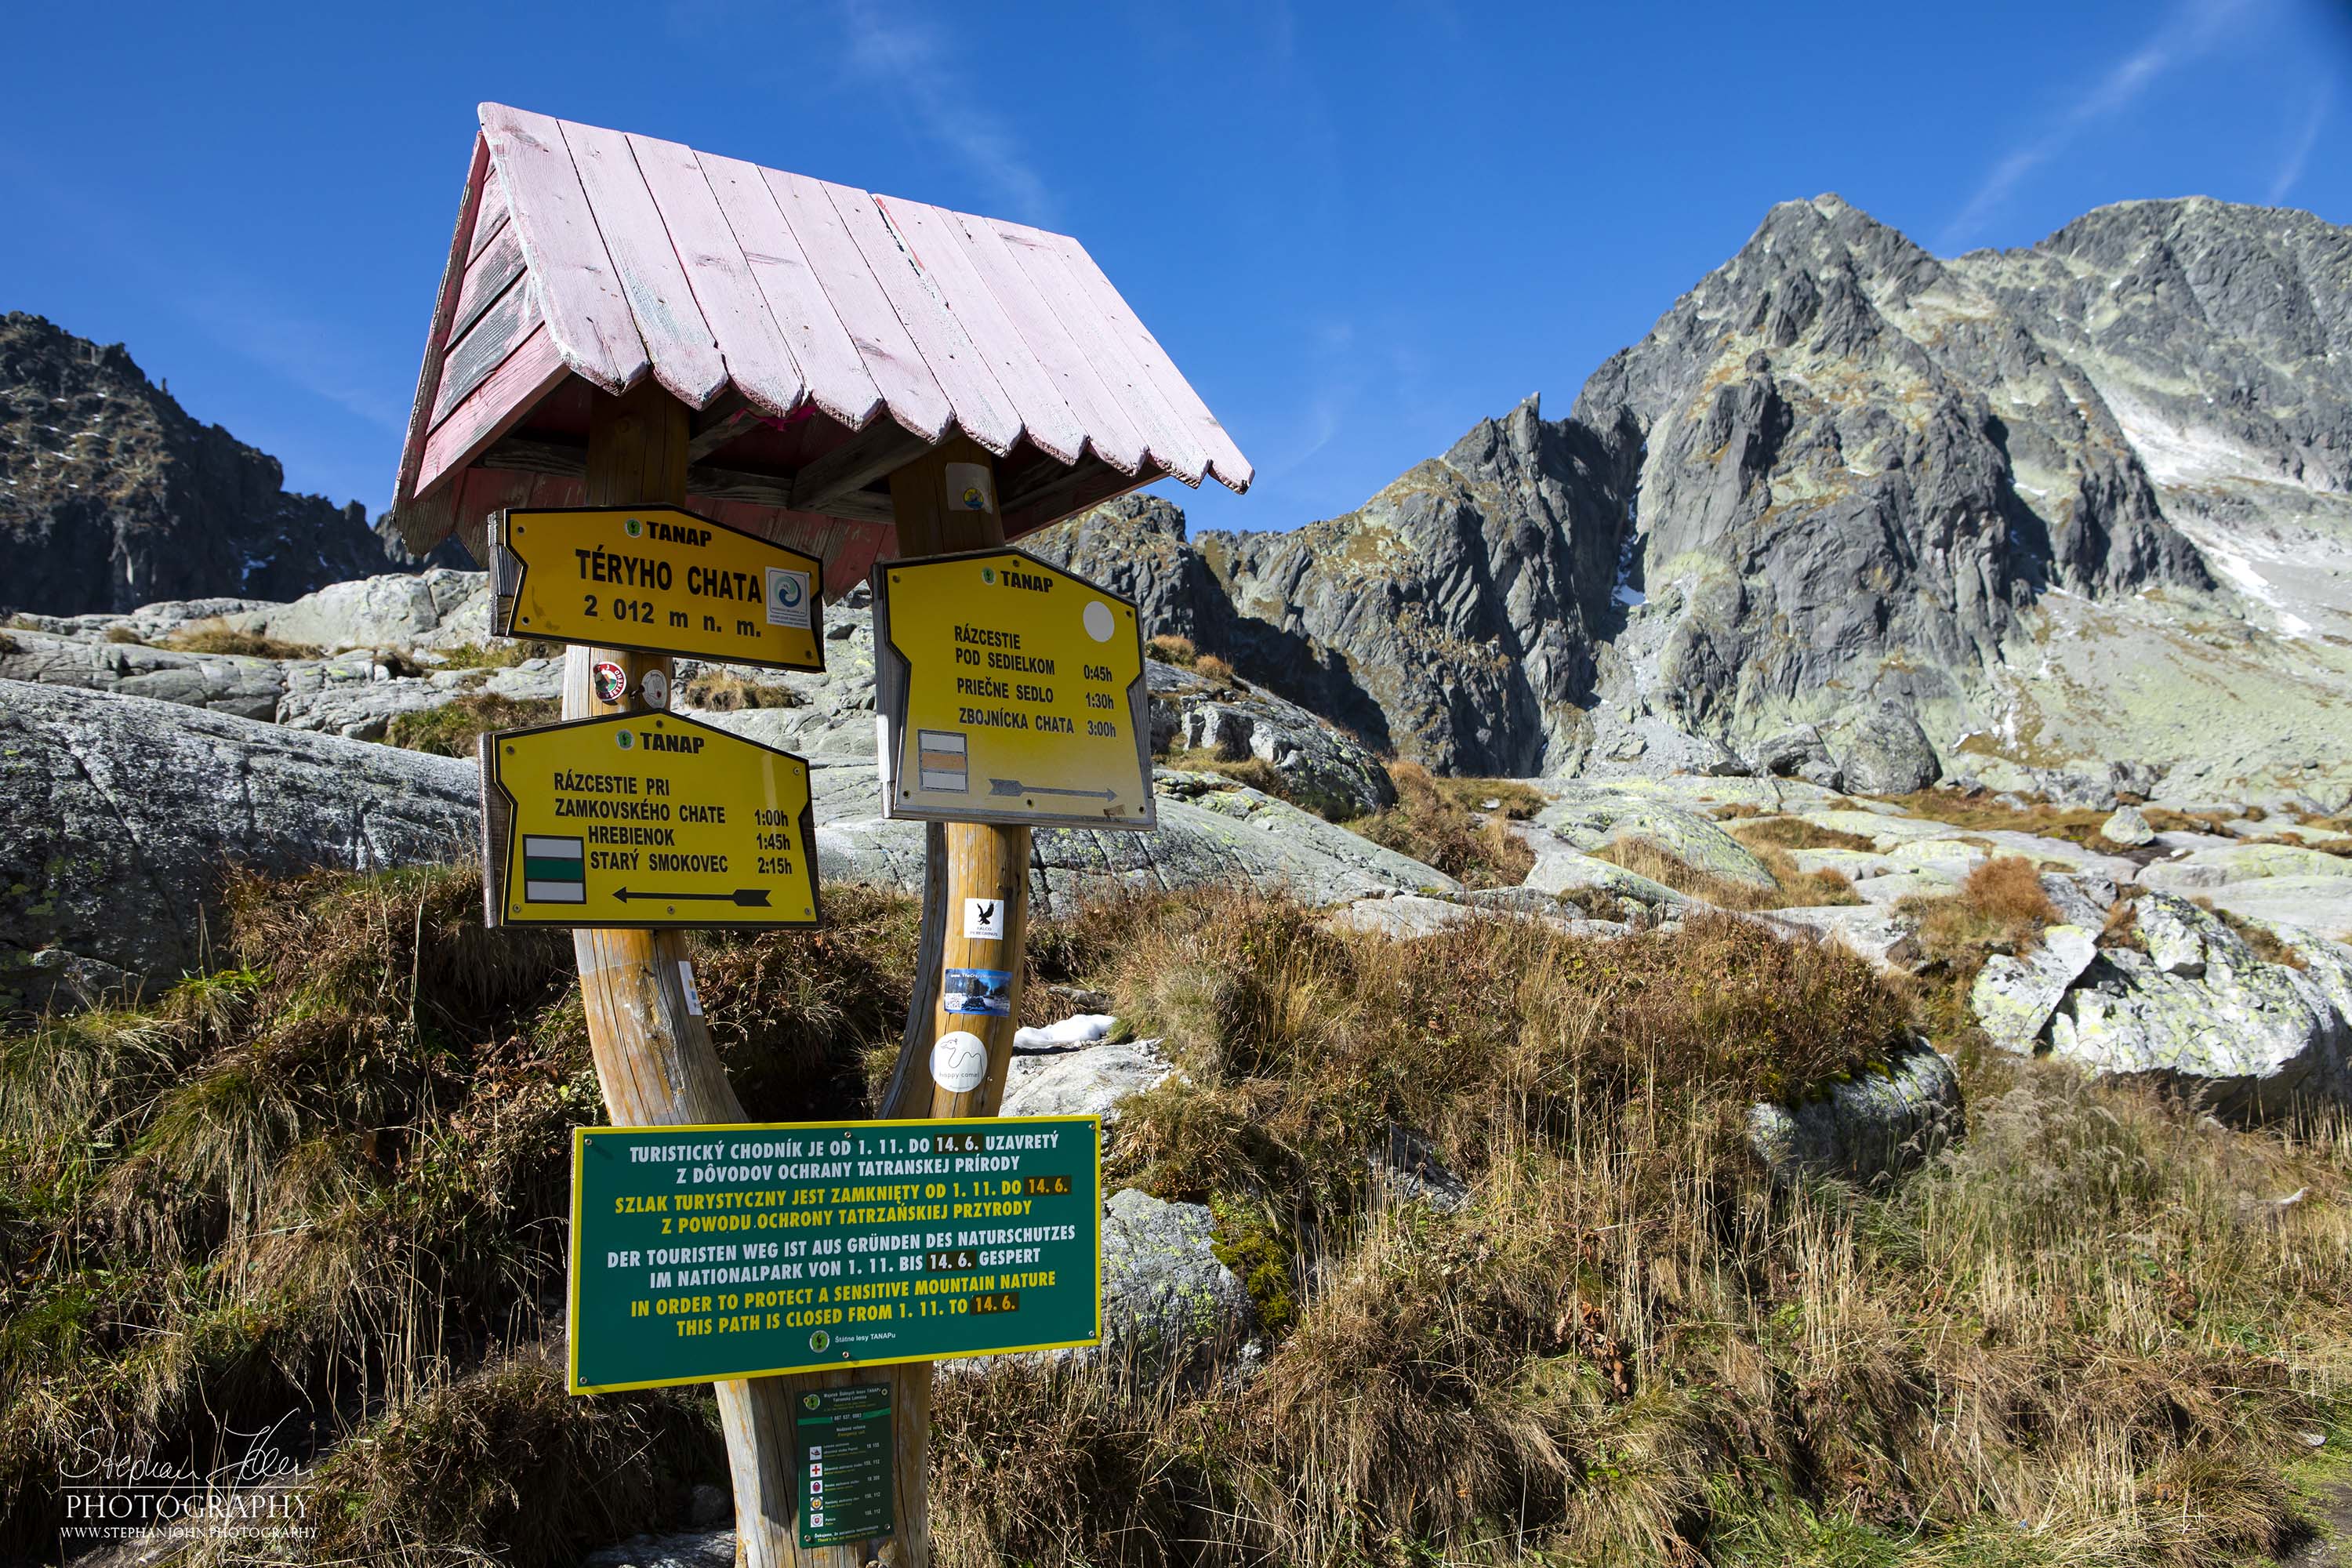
[112,495]
[1839,475]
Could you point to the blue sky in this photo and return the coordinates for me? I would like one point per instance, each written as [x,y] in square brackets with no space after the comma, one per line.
[1359,227]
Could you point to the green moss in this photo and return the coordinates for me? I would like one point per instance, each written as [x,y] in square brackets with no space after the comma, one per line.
[1264,1255]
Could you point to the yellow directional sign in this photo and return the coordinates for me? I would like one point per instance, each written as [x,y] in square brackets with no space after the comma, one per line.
[657,580]
[1010,692]
[645,819]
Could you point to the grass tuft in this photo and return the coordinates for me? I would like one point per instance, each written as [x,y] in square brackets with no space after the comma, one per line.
[1430,823]
[1170,648]
[450,729]
[720,690]
[247,645]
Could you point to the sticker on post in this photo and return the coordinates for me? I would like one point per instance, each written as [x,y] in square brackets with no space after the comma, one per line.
[969,489]
[984,919]
[959,1062]
[985,991]
[610,680]
[655,689]
[788,597]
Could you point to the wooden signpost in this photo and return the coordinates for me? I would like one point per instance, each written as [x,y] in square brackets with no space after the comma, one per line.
[624,324]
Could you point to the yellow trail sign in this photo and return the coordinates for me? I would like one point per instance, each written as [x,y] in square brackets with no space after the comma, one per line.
[645,820]
[654,580]
[1011,692]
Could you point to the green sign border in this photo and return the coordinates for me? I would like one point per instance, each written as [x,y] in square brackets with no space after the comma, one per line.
[580,1136]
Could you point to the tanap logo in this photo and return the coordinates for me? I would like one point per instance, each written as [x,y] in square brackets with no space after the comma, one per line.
[632,528]
[622,739]
[809,1402]
[819,1340]
[988,574]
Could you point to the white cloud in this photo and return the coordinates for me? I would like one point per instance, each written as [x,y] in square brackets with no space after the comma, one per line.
[2193,29]
[920,65]
[2300,154]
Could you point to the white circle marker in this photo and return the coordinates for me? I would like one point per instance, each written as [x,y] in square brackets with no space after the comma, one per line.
[959,1062]
[1099,621]
[655,689]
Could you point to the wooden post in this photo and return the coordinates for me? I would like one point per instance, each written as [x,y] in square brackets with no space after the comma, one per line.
[963,860]
[653,1056]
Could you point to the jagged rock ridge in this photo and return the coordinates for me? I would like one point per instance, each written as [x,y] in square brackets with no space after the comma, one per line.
[2078,501]
[112,496]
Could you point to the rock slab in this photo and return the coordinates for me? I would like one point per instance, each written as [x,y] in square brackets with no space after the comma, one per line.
[125,812]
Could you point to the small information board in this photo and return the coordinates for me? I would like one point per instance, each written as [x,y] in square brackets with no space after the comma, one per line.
[743,1250]
[1011,692]
[840,1443]
[655,580]
[645,820]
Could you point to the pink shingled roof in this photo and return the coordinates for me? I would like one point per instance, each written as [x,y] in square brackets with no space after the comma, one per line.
[609,257]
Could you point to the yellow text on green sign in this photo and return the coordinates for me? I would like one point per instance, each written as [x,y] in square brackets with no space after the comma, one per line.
[657,580]
[645,819]
[1011,692]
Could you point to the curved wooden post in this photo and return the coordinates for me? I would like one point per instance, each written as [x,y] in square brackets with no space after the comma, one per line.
[963,860]
[653,1057]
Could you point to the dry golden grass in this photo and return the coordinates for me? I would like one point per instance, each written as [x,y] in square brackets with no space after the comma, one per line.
[328,1177]
[719,691]
[2000,907]
[1762,833]
[1170,648]
[2089,1333]
[2076,825]
[2083,1335]
[1792,888]
[1213,671]
[451,728]
[1430,823]
[251,644]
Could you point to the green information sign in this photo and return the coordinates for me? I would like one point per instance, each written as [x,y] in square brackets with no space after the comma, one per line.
[840,1438]
[744,1249]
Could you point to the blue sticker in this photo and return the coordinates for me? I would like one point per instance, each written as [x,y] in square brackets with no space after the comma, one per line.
[987,992]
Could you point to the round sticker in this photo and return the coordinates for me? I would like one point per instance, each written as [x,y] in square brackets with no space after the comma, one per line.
[610,680]
[959,1062]
[655,689]
[1099,621]
[624,739]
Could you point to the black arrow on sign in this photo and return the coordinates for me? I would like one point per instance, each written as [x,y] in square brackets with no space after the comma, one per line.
[1014,786]
[749,897]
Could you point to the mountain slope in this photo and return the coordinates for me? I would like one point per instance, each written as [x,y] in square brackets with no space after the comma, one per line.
[111,496]
[2065,505]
